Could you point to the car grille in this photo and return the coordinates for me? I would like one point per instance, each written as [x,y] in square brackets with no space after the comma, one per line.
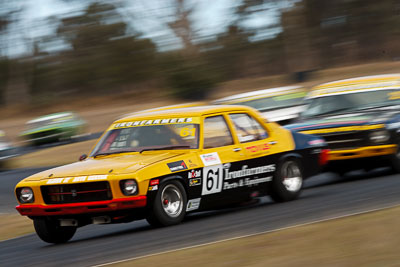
[75,193]
[346,140]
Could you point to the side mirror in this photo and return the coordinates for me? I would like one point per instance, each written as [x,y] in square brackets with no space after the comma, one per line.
[83,157]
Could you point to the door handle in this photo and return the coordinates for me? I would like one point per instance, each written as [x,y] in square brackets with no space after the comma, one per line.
[272,143]
[237,149]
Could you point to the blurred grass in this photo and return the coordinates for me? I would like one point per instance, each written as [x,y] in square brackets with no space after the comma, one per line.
[101,111]
[54,156]
[364,240]
[315,78]
[13,225]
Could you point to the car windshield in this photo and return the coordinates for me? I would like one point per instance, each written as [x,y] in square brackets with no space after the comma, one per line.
[273,102]
[343,103]
[152,137]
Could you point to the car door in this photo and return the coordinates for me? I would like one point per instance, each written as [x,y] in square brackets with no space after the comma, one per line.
[259,148]
[220,151]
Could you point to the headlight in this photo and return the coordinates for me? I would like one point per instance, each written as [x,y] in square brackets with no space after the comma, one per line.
[129,187]
[379,136]
[394,125]
[25,195]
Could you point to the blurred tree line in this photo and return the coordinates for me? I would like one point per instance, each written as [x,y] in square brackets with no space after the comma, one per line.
[102,54]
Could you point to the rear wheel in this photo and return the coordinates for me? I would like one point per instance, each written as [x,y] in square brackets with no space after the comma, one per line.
[288,181]
[50,231]
[169,205]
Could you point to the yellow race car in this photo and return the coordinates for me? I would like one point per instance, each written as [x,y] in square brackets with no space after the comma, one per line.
[164,164]
[359,119]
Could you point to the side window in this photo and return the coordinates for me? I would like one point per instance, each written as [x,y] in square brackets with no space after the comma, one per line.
[216,132]
[247,128]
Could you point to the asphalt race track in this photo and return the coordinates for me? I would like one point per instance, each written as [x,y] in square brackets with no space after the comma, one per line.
[325,196]
[8,181]
[81,138]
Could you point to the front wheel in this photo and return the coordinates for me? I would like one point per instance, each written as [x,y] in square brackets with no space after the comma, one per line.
[51,232]
[169,205]
[287,181]
[395,161]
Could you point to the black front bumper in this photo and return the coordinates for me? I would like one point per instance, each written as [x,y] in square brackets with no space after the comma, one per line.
[367,164]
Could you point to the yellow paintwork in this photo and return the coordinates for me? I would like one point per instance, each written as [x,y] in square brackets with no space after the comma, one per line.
[356,84]
[363,152]
[151,164]
[344,129]
[394,95]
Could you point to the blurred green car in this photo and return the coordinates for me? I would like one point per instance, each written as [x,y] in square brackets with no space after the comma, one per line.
[7,149]
[53,128]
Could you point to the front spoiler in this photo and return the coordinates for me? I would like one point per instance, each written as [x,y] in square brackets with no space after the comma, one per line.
[362,152]
[83,207]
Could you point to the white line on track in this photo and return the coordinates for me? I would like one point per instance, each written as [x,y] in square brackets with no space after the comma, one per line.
[249,235]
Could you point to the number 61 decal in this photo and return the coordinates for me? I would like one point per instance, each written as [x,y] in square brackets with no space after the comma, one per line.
[212,179]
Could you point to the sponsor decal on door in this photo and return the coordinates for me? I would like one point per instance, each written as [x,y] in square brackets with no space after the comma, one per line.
[210,159]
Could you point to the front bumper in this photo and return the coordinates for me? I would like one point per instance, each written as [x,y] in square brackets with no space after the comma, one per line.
[44,137]
[83,207]
[362,152]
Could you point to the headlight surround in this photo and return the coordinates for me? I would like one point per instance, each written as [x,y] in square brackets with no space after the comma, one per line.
[129,187]
[381,136]
[25,195]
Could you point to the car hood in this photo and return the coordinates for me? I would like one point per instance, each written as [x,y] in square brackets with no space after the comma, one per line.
[281,114]
[115,164]
[371,117]
[4,146]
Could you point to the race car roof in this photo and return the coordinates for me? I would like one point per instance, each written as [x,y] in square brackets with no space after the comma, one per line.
[176,106]
[270,92]
[185,112]
[51,117]
[366,83]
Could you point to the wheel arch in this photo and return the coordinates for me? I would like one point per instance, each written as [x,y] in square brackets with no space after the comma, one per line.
[163,180]
[172,177]
[291,155]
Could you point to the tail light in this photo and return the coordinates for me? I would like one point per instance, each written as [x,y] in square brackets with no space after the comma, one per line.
[324,157]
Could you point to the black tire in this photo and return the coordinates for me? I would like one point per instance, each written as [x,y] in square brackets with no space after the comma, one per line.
[284,189]
[51,232]
[169,193]
[395,161]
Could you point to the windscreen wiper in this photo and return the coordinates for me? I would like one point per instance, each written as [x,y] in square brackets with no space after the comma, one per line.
[114,152]
[163,147]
